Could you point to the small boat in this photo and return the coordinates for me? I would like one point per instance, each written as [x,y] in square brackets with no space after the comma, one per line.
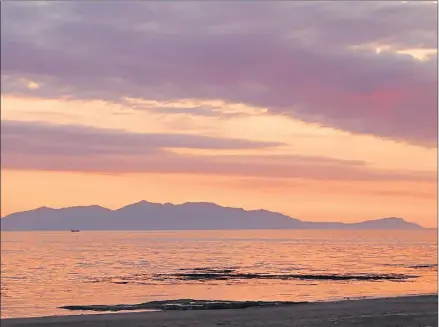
[74,230]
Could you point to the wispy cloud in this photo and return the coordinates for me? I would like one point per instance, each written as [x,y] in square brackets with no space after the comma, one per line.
[41,146]
[51,139]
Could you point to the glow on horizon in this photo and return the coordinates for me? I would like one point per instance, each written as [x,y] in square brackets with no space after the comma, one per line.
[306,200]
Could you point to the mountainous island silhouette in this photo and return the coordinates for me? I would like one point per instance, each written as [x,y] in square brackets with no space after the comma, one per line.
[145,215]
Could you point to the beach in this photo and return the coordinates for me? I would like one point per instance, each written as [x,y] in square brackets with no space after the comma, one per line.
[398,311]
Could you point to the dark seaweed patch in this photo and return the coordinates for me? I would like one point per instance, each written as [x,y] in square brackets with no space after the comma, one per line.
[227,270]
[182,304]
[232,275]
[209,274]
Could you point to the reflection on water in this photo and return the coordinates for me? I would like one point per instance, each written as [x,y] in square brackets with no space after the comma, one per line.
[44,270]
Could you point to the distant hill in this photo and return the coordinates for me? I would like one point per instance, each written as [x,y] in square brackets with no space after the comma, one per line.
[188,216]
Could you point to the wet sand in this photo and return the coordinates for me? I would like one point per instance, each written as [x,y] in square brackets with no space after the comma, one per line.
[413,311]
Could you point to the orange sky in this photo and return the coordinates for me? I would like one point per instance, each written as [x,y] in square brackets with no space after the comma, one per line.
[311,197]
[316,121]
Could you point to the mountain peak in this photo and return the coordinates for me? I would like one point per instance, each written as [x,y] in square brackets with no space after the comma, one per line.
[141,203]
[389,219]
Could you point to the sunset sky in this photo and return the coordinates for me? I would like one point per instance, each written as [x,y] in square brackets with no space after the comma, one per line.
[324,111]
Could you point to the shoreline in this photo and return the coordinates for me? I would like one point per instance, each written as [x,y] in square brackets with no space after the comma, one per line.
[390,311]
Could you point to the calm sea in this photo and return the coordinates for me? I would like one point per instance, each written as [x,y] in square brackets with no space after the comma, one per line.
[41,271]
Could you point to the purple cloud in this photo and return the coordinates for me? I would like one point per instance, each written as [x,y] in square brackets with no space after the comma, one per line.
[41,146]
[49,139]
[299,59]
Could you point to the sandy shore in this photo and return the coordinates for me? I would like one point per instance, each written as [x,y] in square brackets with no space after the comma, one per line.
[414,311]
